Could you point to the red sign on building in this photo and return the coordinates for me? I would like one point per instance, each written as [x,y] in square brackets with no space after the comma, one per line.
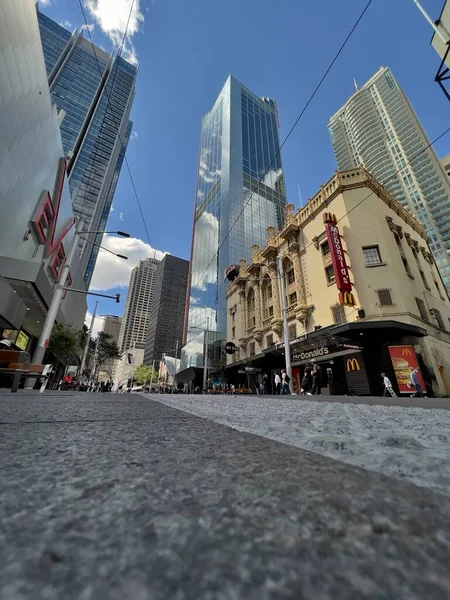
[341,271]
[404,360]
[44,222]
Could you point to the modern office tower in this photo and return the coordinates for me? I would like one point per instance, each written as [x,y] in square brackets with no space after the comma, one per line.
[378,128]
[165,330]
[240,192]
[134,326]
[94,93]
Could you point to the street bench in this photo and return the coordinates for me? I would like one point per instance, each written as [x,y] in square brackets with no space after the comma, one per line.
[17,364]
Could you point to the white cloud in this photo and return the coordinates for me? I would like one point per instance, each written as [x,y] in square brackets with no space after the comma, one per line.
[66,24]
[133,135]
[206,242]
[113,16]
[121,216]
[45,2]
[111,209]
[98,323]
[89,26]
[110,271]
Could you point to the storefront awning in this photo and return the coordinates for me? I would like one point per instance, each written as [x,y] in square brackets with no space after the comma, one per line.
[188,375]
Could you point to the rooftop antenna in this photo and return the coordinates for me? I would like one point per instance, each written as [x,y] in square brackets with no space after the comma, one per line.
[433,24]
[356,85]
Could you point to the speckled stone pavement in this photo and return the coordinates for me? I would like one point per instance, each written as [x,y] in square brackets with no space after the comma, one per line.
[121,497]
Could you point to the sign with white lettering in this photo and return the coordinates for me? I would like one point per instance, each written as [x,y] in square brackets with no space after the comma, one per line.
[340,267]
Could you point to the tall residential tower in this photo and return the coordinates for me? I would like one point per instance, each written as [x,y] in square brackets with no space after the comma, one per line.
[378,128]
[134,326]
[94,93]
[240,192]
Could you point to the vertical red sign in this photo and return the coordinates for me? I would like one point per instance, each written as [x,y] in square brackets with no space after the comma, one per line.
[339,263]
[404,360]
[337,254]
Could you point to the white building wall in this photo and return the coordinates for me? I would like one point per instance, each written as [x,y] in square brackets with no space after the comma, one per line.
[30,148]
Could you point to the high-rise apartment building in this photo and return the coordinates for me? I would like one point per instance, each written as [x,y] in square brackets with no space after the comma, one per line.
[134,326]
[446,164]
[165,329]
[240,192]
[378,128]
[94,93]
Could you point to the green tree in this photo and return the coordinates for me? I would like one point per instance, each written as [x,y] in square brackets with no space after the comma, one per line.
[102,348]
[65,344]
[144,374]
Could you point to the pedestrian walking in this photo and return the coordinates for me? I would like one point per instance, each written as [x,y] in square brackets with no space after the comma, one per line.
[388,389]
[277,384]
[285,379]
[316,381]
[265,381]
[306,382]
[415,383]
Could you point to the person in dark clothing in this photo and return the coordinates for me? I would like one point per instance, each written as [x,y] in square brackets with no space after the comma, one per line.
[306,382]
[316,381]
[265,381]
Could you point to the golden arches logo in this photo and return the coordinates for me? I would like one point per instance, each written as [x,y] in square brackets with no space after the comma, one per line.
[406,352]
[347,299]
[329,218]
[353,365]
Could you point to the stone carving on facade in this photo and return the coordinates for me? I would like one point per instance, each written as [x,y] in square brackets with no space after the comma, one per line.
[427,255]
[394,227]
[315,241]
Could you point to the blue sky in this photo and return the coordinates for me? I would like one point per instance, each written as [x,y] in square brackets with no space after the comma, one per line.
[280,49]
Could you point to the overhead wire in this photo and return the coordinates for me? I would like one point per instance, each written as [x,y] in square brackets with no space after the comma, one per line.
[112,112]
[310,99]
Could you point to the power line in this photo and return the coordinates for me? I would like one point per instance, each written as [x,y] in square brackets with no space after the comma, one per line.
[391,177]
[429,145]
[112,112]
[318,86]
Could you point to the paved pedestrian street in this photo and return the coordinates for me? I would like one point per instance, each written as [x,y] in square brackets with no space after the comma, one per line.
[124,497]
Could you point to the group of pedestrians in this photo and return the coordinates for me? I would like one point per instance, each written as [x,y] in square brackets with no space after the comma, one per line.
[282,380]
[312,380]
[414,384]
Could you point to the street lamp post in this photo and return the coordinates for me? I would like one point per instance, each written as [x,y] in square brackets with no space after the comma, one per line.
[88,339]
[205,360]
[287,348]
[58,294]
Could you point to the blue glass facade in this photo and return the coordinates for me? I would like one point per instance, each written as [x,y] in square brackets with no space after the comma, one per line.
[54,40]
[108,204]
[96,93]
[239,147]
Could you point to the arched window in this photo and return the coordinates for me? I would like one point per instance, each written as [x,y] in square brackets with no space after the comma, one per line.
[267,297]
[251,322]
[289,272]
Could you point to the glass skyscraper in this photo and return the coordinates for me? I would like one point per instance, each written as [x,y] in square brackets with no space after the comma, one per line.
[379,129]
[96,92]
[240,192]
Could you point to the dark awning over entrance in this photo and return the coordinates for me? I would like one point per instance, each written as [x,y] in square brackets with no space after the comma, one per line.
[188,375]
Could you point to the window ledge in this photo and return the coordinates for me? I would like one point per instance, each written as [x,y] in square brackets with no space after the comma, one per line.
[428,288]
[329,284]
[381,264]
[410,276]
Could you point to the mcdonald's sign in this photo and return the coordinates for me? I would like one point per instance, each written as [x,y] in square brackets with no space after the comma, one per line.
[329,218]
[353,365]
[404,359]
[406,351]
[337,254]
[346,299]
